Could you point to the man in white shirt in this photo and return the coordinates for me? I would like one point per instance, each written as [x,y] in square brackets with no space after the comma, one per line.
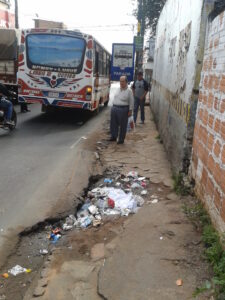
[123,104]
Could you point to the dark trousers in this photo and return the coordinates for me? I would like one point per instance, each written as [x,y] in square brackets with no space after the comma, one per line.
[137,103]
[118,123]
[23,107]
[8,108]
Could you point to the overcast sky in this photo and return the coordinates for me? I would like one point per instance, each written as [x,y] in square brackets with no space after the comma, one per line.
[97,17]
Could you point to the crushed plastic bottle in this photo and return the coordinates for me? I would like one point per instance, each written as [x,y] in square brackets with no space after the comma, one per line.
[85,222]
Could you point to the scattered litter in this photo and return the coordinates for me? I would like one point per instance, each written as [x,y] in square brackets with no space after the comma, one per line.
[108,180]
[179,282]
[141,178]
[2,229]
[93,209]
[5,275]
[126,179]
[98,217]
[161,238]
[18,270]
[154,201]
[121,198]
[96,223]
[56,231]
[83,137]
[140,201]
[144,192]
[133,174]
[136,185]
[85,222]
[70,223]
[143,184]
[43,251]
[97,155]
[111,212]
[111,203]
[55,237]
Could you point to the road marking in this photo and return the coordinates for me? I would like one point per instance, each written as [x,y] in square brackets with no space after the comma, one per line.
[78,141]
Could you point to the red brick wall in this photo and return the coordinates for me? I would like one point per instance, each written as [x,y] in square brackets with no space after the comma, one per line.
[208,156]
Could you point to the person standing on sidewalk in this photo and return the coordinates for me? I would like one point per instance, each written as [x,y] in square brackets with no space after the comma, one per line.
[140,90]
[123,103]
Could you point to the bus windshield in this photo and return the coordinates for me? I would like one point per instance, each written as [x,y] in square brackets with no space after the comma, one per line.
[55,52]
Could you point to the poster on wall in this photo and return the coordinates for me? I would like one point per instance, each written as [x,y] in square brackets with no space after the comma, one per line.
[122,61]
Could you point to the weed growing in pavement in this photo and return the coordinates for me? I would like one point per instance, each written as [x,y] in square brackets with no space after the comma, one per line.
[179,185]
[158,137]
[214,250]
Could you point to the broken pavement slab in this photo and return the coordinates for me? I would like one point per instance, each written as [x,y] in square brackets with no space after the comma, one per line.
[78,270]
[98,252]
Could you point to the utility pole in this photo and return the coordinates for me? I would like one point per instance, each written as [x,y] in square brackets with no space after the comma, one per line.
[140,36]
[16,14]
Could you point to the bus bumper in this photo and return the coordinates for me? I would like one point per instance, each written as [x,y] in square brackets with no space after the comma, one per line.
[56,102]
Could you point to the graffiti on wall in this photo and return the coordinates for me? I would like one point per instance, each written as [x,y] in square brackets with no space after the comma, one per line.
[184,45]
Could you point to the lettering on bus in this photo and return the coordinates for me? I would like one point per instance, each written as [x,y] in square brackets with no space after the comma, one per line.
[31,91]
[48,73]
[54,69]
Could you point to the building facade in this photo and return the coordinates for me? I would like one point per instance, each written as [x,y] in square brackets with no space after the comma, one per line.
[176,75]
[208,157]
[7,17]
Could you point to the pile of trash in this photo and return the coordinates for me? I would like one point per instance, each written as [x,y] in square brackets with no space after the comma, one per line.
[120,196]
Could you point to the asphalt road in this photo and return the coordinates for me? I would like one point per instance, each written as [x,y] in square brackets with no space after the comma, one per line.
[36,161]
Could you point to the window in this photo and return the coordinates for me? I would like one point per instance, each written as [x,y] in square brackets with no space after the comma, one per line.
[55,52]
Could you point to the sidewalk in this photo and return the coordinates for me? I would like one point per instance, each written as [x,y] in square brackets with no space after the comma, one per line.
[130,258]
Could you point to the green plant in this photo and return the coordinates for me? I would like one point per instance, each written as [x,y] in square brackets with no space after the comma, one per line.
[179,186]
[205,287]
[214,250]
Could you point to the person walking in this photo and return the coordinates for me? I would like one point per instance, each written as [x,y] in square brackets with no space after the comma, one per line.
[123,103]
[140,90]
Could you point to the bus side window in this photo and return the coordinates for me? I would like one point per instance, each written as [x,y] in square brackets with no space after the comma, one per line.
[96,62]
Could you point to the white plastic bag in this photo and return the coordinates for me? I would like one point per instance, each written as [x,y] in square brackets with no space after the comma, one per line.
[130,124]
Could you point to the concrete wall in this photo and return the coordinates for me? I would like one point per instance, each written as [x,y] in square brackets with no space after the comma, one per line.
[208,158]
[176,75]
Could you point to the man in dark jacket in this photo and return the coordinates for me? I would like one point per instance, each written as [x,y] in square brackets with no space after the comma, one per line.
[140,90]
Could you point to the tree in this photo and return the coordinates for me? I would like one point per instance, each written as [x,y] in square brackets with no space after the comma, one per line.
[147,13]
